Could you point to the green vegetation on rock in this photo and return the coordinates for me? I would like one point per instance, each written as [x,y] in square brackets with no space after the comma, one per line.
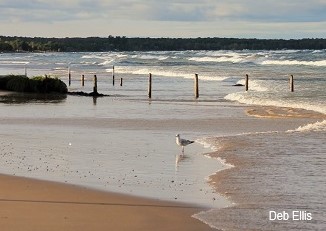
[38,84]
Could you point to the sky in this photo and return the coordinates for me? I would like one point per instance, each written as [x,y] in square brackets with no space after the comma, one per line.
[281,19]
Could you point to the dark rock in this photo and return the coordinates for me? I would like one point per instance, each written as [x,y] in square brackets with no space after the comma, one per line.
[81,93]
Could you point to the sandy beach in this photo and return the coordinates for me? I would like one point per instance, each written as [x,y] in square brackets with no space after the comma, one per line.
[116,160]
[34,205]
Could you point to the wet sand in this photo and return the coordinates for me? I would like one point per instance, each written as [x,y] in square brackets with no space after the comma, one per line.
[39,205]
[283,112]
[33,205]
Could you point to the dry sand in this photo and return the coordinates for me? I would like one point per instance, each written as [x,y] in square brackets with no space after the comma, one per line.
[33,205]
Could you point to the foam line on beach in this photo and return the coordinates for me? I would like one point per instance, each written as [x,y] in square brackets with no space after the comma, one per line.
[283,112]
[317,127]
[246,99]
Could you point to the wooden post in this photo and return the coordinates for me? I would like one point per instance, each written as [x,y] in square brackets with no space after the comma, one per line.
[120,82]
[150,86]
[83,80]
[69,75]
[69,78]
[25,70]
[247,82]
[113,75]
[196,86]
[291,83]
[95,84]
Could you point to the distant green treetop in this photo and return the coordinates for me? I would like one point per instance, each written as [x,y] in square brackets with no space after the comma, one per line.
[118,43]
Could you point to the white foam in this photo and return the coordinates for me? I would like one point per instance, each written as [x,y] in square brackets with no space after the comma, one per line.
[221,56]
[148,56]
[15,62]
[255,85]
[318,126]
[320,63]
[318,51]
[108,58]
[107,62]
[157,72]
[92,56]
[206,144]
[223,161]
[201,217]
[213,147]
[218,59]
[243,97]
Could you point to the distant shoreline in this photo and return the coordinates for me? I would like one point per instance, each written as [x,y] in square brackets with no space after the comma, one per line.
[118,43]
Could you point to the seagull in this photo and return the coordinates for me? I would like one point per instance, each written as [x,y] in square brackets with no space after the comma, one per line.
[182,142]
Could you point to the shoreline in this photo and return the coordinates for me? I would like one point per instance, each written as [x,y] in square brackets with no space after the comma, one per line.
[233,162]
[229,181]
[274,112]
[43,205]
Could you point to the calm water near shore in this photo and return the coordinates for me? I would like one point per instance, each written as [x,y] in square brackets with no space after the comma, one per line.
[126,143]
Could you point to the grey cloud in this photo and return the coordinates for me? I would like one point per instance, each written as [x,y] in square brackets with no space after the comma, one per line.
[168,10]
[274,11]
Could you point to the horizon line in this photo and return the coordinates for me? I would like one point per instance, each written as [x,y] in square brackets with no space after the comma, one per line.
[154,37]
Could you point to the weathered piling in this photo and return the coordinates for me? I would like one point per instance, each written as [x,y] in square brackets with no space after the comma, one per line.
[247,82]
[95,84]
[291,83]
[121,82]
[150,86]
[69,75]
[69,78]
[196,87]
[113,75]
[25,69]
[83,80]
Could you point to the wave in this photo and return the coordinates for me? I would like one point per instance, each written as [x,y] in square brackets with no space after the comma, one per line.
[230,57]
[255,85]
[217,59]
[108,58]
[243,97]
[92,56]
[285,51]
[317,127]
[320,63]
[107,62]
[14,62]
[164,73]
[206,144]
[150,57]
[318,51]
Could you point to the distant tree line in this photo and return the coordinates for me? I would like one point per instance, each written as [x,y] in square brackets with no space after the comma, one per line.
[118,43]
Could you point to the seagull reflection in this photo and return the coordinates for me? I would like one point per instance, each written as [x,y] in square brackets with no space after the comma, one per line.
[179,158]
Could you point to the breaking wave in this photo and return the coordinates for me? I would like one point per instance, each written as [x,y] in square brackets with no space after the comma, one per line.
[320,63]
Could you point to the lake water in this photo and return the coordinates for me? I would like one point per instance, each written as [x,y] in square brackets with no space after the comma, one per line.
[126,142]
